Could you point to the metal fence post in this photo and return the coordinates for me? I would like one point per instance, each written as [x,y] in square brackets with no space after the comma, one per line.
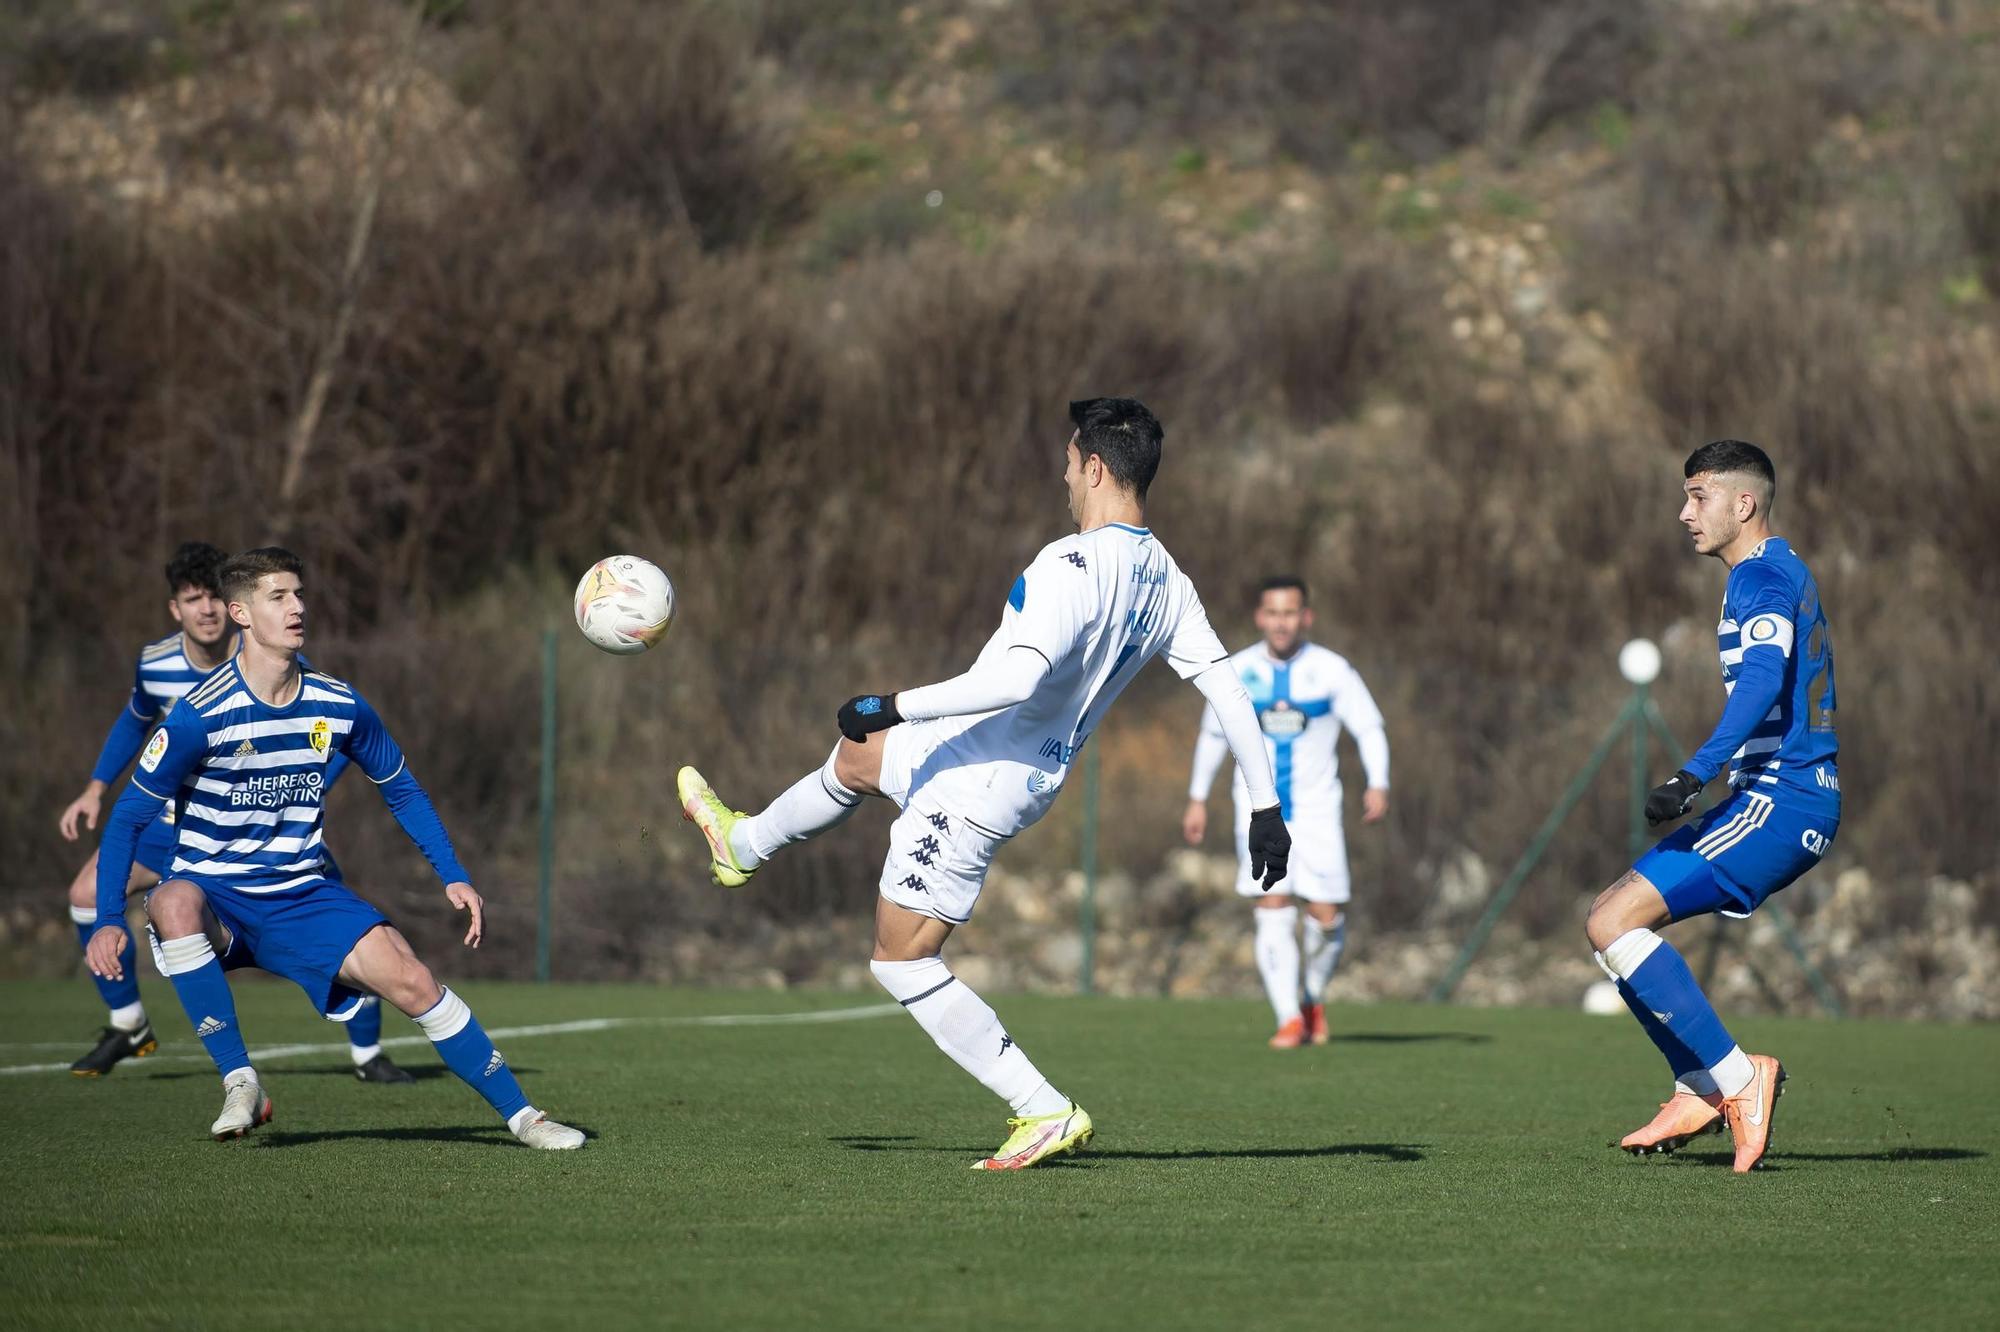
[548,802]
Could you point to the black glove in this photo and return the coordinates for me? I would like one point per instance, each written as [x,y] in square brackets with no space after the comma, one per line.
[1671,798]
[1270,846]
[864,714]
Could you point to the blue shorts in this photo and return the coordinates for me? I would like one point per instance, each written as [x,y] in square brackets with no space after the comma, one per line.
[1739,853]
[155,851]
[302,934]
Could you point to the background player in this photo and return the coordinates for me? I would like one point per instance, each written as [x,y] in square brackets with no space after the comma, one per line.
[1777,820]
[167,669]
[243,759]
[1304,695]
[976,759]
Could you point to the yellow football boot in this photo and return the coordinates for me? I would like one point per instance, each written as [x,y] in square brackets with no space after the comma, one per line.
[1039,1138]
[705,810]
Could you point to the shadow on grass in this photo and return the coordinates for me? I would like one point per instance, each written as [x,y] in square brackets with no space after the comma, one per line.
[421,1072]
[481,1135]
[1778,1160]
[1410,1037]
[1385,1151]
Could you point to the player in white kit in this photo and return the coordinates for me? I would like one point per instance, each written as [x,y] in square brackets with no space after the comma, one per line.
[1304,695]
[976,759]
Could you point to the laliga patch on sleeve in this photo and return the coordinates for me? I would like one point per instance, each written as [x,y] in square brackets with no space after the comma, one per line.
[156,749]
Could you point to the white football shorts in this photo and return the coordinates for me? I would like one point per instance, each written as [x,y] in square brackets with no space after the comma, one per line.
[937,858]
[1317,871]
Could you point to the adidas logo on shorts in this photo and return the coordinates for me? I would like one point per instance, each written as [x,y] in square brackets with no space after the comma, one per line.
[494,1065]
[211,1025]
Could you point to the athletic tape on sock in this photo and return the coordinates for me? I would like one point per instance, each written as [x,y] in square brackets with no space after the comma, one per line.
[1630,950]
[189,953]
[446,1018]
[83,915]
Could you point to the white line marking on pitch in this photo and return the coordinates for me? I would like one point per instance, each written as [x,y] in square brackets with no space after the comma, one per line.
[812,1016]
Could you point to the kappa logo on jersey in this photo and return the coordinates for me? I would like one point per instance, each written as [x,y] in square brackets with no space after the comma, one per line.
[245,750]
[914,884]
[1076,558]
[156,749]
[320,737]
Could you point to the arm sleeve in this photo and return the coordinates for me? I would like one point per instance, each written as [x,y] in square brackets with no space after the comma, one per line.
[121,745]
[1238,719]
[1001,683]
[1210,748]
[1194,648]
[380,759]
[1764,603]
[169,759]
[1358,713]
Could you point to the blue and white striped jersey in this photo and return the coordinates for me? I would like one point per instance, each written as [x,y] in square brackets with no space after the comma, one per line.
[248,780]
[163,676]
[1774,644]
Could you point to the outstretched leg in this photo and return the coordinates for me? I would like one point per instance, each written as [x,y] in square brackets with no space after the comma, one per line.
[383,962]
[825,798]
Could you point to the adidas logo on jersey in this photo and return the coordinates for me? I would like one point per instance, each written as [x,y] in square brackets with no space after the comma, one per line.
[494,1065]
[245,749]
[210,1026]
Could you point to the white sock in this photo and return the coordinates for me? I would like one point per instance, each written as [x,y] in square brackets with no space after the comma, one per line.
[523,1117]
[235,1076]
[1698,1083]
[129,1017]
[1323,947]
[811,805]
[1277,949]
[1734,1073]
[965,1028]
[363,1053]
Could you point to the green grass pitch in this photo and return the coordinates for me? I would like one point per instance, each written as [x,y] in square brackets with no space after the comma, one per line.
[1432,1167]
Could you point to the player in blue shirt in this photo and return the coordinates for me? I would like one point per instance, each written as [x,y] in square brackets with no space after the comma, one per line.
[167,669]
[1780,814]
[243,759]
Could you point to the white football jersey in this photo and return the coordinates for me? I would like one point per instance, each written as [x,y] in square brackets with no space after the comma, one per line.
[1302,704]
[1097,606]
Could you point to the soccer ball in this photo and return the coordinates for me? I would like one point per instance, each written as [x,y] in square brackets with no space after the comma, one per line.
[1602,999]
[624,604]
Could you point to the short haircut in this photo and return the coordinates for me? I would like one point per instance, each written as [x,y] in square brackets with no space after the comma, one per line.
[240,572]
[195,564]
[1280,583]
[1122,433]
[1736,455]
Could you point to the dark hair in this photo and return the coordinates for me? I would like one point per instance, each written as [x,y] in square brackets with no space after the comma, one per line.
[195,564]
[1735,455]
[1279,583]
[1122,433]
[240,572]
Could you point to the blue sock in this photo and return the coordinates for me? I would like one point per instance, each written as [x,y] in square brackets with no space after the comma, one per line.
[1662,984]
[204,992]
[364,1029]
[463,1045]
[117,993]
[1686,1064]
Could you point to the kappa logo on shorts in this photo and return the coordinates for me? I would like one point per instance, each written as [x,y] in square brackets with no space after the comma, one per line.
[915,885]
[941,823]
[1005,1041]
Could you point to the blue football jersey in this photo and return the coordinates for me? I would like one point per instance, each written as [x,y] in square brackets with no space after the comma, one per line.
[1771,604]
[248,781]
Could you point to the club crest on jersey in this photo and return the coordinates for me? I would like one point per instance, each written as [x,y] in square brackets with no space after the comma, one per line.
[156,749]
[320,738]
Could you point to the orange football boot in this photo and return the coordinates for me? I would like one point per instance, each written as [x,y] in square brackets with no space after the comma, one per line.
[1751,1111]
[1315,1016]
[1681,1118]
[1291,1034]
